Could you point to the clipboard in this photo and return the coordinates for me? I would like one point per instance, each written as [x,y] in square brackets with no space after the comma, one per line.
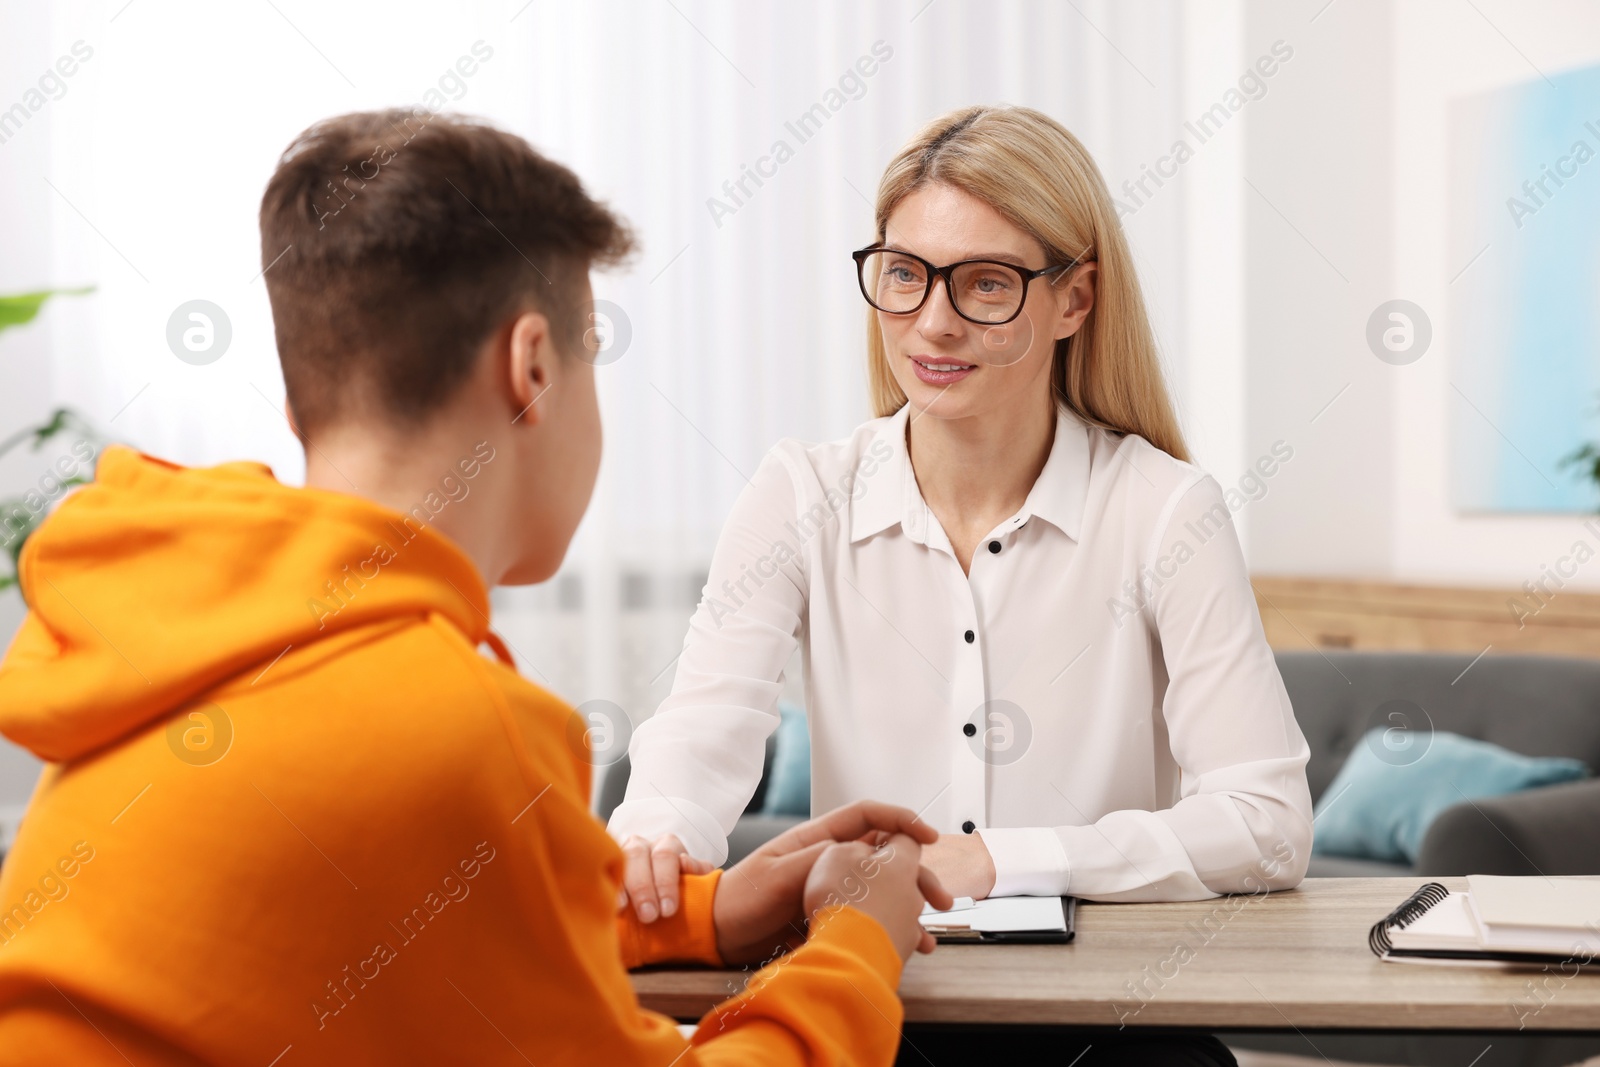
[1005,920]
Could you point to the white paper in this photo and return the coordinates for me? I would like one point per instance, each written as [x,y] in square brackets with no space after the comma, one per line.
[1553,940]
[1448,924]
[1571,904]
[999,914]
[1456,923]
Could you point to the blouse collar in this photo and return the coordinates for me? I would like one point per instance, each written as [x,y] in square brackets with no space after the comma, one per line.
[1058,494]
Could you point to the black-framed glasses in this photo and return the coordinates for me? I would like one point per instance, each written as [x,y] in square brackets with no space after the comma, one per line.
[985,291]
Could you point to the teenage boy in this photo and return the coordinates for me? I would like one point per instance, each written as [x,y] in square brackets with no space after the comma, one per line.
[293,813]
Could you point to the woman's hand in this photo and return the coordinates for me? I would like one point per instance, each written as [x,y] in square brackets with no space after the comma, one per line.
[962,864]
[650,871]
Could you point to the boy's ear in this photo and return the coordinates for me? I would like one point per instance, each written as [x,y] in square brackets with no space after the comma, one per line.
[531,364]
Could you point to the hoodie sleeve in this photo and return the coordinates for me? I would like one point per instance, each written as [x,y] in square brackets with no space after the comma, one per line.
[840,982]
[831,1001]
[688,936]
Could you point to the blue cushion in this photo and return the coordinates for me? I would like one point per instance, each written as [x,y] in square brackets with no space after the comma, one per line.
[789,791]
[1383,799]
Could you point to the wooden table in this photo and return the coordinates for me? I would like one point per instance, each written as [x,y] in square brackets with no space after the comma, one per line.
[1296,960]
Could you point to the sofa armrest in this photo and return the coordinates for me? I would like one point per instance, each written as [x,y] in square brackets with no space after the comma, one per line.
[1549,830]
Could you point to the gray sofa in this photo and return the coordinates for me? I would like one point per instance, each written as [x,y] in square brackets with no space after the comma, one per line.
[1535,705]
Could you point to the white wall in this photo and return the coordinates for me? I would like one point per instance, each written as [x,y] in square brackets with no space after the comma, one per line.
[1318,229]
[1451,51]
[1353,152]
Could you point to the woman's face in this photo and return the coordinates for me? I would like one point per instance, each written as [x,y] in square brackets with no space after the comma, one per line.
[948,366]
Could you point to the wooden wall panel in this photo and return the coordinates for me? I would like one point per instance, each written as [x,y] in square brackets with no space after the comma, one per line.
[1301,613]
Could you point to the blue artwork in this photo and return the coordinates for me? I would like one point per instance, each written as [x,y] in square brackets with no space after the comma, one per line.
[1525,307]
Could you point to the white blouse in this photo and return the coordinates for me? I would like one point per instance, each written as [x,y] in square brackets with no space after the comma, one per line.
[1096,698]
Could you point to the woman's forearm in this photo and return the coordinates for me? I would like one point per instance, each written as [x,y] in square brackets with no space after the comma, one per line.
[699,759]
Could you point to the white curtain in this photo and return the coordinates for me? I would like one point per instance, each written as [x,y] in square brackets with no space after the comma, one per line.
[746,325]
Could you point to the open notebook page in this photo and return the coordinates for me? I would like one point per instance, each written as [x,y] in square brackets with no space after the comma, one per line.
[1448,924]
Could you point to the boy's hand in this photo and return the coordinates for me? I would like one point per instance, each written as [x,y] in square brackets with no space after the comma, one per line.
[760,907]
[886,882]
[650,871]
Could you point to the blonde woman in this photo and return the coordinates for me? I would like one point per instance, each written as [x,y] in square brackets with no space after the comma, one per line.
[1022,611]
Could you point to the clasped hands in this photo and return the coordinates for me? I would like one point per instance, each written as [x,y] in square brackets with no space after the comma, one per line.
[868,855]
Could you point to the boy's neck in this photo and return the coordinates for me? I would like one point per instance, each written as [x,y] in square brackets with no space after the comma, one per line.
[400,472]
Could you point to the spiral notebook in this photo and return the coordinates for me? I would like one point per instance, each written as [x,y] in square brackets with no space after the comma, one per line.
[1498,921]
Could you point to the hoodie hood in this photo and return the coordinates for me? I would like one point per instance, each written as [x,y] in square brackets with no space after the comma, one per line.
[157,583]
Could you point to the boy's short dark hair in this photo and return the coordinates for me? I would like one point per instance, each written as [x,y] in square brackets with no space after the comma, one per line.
[395,243]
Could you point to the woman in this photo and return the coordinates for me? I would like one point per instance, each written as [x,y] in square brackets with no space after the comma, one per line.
[1022,612]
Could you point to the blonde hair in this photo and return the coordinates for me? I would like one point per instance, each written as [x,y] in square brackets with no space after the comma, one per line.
[1031,170]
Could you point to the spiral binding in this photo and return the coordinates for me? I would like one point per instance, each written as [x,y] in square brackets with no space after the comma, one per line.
[1407,913]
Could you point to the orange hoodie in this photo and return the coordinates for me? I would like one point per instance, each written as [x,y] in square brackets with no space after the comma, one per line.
[293,822]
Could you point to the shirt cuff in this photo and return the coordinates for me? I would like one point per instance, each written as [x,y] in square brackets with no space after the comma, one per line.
[653,817]
[689,935]
[1028,861]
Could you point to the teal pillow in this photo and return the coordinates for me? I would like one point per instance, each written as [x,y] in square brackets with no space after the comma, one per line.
[1382,801]
[789,791]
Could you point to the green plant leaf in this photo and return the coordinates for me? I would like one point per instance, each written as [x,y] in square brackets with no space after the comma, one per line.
[17,310]
[61,420]
[1586,458]
[24,307]
[18,520]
